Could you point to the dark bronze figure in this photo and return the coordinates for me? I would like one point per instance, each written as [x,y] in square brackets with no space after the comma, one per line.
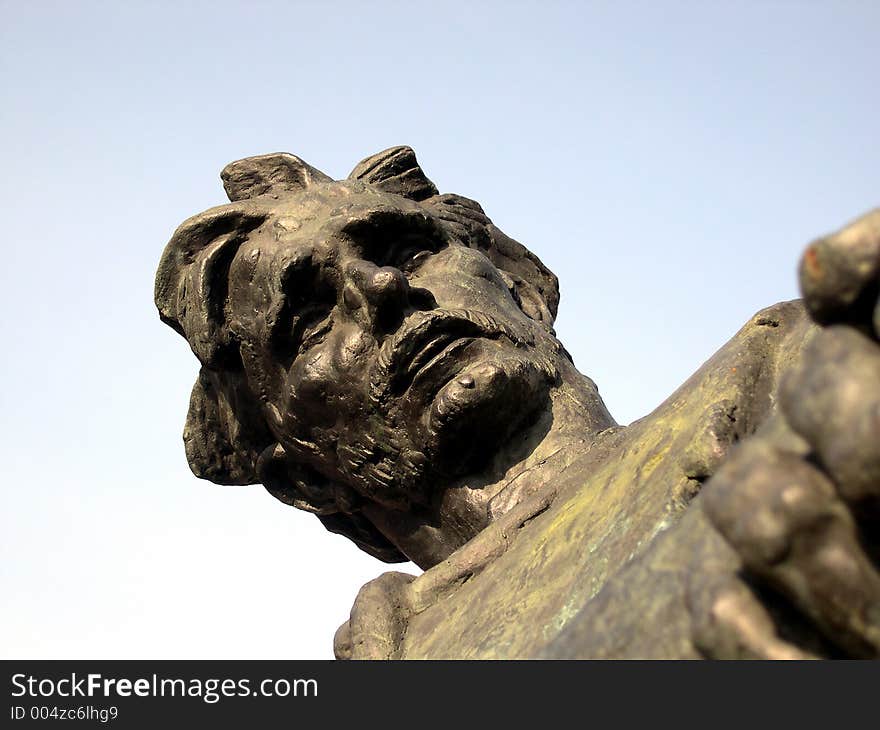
[384,356]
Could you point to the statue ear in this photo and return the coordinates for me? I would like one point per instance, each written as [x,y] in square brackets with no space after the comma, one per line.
[298,485]
[277,173]
[224,433]
[397,171]
[532,284]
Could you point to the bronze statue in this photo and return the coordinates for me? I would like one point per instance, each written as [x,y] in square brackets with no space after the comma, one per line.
[384,356]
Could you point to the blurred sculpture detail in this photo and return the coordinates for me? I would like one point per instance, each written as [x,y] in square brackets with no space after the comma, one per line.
[384,356]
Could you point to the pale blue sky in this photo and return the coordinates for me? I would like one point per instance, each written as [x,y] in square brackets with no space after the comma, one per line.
[668,160]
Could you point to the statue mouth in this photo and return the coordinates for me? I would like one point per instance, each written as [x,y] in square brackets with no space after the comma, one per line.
[427,346]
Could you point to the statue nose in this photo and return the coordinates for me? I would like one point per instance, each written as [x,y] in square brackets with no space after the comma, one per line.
[386,285]
[383,289]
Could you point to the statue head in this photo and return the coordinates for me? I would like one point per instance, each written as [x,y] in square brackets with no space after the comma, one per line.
[362,342]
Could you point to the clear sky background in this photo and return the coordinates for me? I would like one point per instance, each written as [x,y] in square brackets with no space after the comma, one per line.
[668,160]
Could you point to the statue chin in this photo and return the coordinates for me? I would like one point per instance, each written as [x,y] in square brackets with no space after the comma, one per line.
[478,410]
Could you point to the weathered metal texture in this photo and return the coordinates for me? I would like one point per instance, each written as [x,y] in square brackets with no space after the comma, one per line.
[383,356]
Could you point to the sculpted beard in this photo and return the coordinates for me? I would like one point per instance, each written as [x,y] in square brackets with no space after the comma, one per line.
[442,395]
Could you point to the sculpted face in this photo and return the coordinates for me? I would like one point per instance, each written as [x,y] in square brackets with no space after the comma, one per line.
[389,355]
[363,340]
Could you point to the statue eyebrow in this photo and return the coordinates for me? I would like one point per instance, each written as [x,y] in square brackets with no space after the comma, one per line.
[382,232]
[192,283]
[208,275]
[190,238]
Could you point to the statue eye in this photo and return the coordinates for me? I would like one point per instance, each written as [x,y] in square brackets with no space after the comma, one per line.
[411,258]
[315,333]
[396,238]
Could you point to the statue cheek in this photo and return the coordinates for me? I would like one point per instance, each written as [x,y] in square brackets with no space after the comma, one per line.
[327,382]
[479,267]
[460,277]
[311,380]
[353,352]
